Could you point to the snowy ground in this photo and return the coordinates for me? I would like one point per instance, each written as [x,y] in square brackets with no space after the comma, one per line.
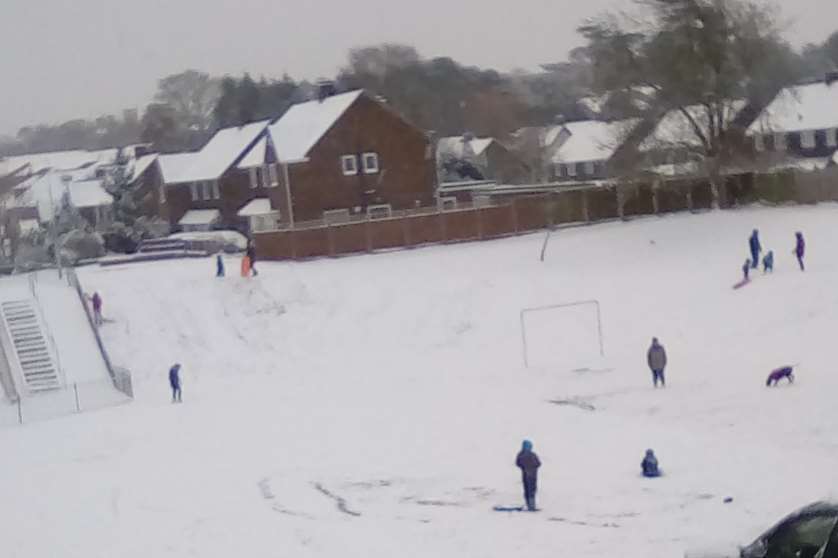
[372,406]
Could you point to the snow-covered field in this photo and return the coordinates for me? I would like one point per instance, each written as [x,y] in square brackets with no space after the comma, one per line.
[373,406]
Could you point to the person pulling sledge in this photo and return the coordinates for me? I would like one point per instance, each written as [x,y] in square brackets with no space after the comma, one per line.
[768,262]
[529,463]
[251,254]
[650,465]
[755,247]
[800,249]
[174,382]
[656,357]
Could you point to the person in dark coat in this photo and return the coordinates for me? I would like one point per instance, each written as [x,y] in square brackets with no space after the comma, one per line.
[746,270]
[756,248]
[768,262]
[529,463]
[656,358]
[219,266]
[97,309]
[251,253]
[650,465]
[800,249]
[174,382]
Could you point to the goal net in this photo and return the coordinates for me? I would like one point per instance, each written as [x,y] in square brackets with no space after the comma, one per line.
[562,335]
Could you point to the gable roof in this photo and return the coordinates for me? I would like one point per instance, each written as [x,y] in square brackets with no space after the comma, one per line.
[674,129]
[256,156]
[142,164]
[593,140]
[304,125]
[803,107]
[175,166]
[222,151]
[456,146]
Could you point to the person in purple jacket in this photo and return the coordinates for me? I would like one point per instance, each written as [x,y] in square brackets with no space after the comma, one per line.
[800,249]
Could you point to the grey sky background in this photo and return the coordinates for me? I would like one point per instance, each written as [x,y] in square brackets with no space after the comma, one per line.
[62,59]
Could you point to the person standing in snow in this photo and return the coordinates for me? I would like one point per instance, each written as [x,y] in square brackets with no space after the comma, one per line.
[746,270]
[251,253]
[756,248]
[656,358]
[768,262]
[800,249]
[219,266]
[97,309]
[650,465]
[174,382]
[529,463]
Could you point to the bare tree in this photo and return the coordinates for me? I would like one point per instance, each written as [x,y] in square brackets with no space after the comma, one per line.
[192,95]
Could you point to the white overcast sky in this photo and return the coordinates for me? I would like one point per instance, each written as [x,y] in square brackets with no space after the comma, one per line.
[61,59]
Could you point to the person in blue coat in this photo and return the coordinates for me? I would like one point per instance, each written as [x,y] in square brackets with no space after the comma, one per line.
[800,249]
[650,465]
[529,463]
[768,262]
[756,249]
[219,266]
[174,382]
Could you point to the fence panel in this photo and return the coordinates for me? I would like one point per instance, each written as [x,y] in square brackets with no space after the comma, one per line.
[702,195]
[638,199]
[532,212]
[569,207]
[424,229]
[461,225]
[347,239]
[311,243]
[604,204]
[672,198]
[386,233]
[496,221]
[275,245]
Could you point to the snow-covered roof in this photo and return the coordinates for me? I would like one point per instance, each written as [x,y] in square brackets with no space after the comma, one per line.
[174,167]
[60,160]
[803,107]
[89,193]
[200,217]
[299,129]
[259,206]
[675,129]
[256,156]
[456,146]
[224,149]
[592,140]
[142,164]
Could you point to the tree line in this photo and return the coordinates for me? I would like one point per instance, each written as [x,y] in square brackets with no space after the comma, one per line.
[689,52]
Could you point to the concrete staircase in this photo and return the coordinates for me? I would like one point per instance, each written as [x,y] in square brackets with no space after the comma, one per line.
[32,346]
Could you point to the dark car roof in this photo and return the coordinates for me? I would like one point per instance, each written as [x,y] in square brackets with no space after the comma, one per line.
[812,510]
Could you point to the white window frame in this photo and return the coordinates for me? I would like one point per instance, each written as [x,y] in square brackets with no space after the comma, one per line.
[370,169]
[759,143]
[571,170]
[373,210]
[336,216]
[254,177]
[808,139]
[216,190]
[273,175]
[832,137]
[347,171]
[590,168]
[193,190]
[206,190]
[780,142]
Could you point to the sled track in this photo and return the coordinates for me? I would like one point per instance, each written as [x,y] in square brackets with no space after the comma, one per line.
[341,503]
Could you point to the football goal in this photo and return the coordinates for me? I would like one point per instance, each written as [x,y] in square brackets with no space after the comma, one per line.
[569,333]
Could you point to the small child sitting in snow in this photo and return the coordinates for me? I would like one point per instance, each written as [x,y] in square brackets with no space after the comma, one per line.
[650,465]
[768,262]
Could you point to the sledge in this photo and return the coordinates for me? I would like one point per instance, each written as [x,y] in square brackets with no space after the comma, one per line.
[510,509]
[741,284]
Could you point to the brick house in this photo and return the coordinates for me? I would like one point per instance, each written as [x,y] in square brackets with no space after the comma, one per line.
[335,157]
[468,158]
[207,188]
[587,149]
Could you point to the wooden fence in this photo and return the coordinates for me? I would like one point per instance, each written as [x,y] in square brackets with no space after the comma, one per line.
[518,215]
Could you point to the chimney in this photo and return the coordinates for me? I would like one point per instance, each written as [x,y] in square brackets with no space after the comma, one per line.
[831,77]
[325,89]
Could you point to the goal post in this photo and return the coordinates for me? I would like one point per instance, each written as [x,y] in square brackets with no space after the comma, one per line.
[529,311]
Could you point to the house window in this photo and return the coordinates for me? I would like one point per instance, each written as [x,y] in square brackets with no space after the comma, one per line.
[561,171]
[759,142]
[254,177]
[589,168]
[161,193]
[370,163]
[780,143]
[273,175]
[349,164]
[807,139]
[382,211]
[206,190]
[216,193]
[832,137]
[571,169]
[448,203]
[336,216]
[193,190]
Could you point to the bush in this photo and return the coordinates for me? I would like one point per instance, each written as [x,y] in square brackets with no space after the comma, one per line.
[80,245]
